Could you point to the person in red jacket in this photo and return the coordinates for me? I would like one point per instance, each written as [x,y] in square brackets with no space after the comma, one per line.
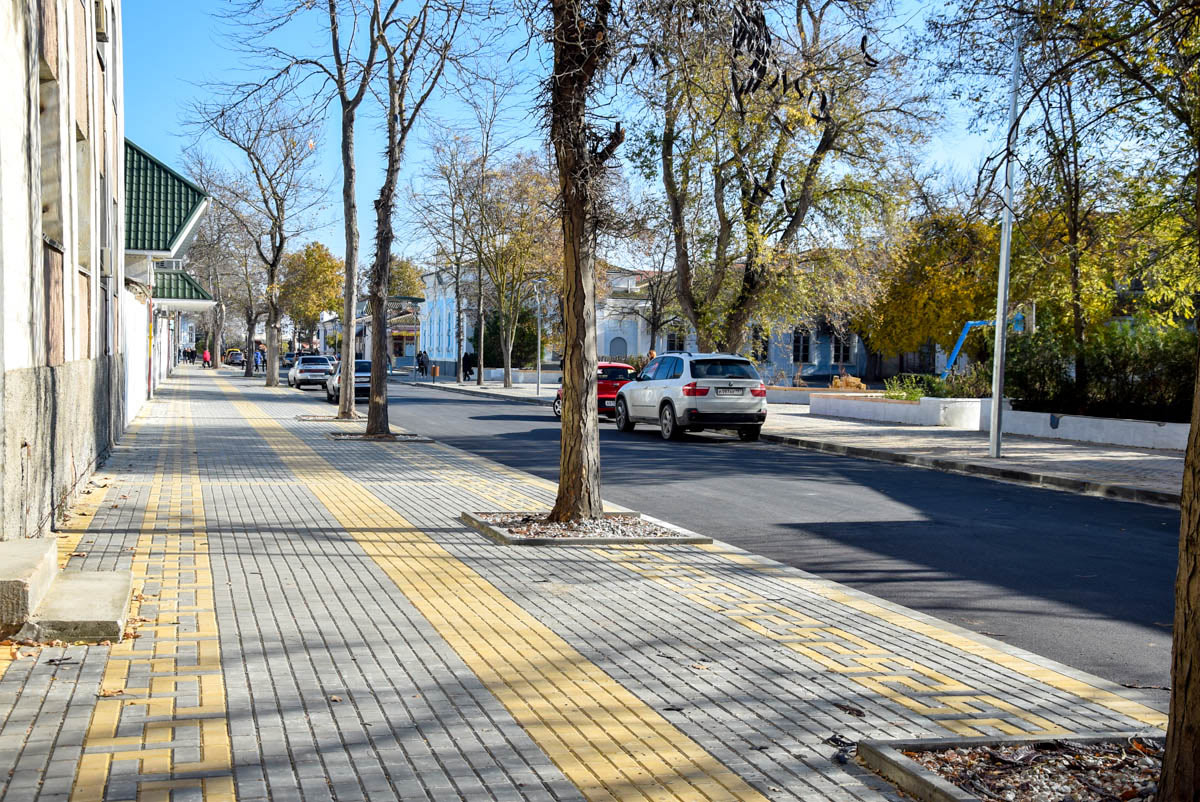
[207,359]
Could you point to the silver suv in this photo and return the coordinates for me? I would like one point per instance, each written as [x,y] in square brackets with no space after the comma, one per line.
[682,391]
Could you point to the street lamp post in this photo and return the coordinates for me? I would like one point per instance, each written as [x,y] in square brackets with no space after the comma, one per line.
[997,412]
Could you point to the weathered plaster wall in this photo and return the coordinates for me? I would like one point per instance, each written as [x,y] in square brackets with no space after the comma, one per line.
[59,423]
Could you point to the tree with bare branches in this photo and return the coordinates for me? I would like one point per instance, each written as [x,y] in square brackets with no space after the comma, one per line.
[346,71]
[416,52]
[274,191]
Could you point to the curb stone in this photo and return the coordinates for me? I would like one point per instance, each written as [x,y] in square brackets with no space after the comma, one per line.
[541,402]
[947,465]
[1051,481]
[887,759]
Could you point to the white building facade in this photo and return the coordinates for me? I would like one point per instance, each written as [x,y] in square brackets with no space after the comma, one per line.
[62,203]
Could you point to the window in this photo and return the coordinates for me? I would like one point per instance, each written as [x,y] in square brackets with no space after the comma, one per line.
[52,264]
[675,369]
[83,319]
[649,371]
[843,348]
[613,373]
[801,346]
[663,370]
[675,341]
[617,347]
[723,369]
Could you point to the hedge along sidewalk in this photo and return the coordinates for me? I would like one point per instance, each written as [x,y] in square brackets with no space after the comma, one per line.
[1131,474]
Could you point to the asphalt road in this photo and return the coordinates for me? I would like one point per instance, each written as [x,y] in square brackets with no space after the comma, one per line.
[1085,581]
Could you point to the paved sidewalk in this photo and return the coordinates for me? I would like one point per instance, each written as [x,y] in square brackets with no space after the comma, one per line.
[1135,474]
[318,625]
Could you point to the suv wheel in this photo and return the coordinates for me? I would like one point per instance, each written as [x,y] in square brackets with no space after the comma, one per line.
[329,396]
[749,433]
[667,423]
[623,422]
[557,407]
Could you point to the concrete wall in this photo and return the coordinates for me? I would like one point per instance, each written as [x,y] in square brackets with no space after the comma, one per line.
[60,421]
[975,414]
[1112,431]
[62,190]
[135,334]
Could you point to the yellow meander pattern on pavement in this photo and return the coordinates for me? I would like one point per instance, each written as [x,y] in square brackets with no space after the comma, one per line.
[1054,679]
[604,739]
[172,552]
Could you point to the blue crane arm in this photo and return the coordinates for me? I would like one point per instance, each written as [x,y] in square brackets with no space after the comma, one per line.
[971,324]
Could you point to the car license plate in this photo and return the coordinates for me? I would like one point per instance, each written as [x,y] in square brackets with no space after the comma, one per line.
[729,391]
[606,403]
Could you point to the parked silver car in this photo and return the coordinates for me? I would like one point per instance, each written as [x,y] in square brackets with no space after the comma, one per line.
[308,370]
[681,391]
[362,381]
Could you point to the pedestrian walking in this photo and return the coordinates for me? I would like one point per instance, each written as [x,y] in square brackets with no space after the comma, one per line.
[420,363]
[258,361]
[468,365]
[207,359]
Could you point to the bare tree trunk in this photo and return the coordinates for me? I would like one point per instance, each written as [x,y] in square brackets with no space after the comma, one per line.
[350,213]
[479,329]
[377,411]
[506,346]
[271,363]
[248,357]
[580,50]
[1180,778]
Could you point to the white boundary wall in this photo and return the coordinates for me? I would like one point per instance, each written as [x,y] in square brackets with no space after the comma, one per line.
[974,414]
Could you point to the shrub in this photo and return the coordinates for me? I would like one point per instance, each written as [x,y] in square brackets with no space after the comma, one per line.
[1038,368]
[913,386]
[1132,371]
[973,382]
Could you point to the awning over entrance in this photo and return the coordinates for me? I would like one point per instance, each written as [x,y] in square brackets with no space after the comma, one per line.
[176,291]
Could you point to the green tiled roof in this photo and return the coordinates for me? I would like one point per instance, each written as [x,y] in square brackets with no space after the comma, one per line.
[177,285]
[158,202]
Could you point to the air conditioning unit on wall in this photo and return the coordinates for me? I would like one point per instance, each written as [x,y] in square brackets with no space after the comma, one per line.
[101,20]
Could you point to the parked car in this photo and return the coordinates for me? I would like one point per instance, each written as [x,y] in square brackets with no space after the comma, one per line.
[289,359]
[681,391]
[308,370]
[362,381]
[233,357]
[611,376]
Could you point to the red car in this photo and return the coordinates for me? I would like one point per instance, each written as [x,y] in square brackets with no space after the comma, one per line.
[611,376]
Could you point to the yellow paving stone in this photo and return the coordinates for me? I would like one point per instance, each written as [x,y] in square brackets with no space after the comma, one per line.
[517,645]
[176,561]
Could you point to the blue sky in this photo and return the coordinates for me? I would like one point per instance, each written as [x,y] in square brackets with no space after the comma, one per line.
[171,49]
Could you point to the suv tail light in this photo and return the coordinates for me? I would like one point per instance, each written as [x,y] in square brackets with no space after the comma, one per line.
[690,389]
[760,391]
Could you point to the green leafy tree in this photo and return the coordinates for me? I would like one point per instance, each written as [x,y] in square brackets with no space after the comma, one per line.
[312,283]
[405,279]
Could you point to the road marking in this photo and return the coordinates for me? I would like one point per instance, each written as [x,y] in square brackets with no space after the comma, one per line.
[179,652]
[603,738]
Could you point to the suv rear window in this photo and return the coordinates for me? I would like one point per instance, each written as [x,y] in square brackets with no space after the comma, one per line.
[314,360]
[723,369]
[616,374]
